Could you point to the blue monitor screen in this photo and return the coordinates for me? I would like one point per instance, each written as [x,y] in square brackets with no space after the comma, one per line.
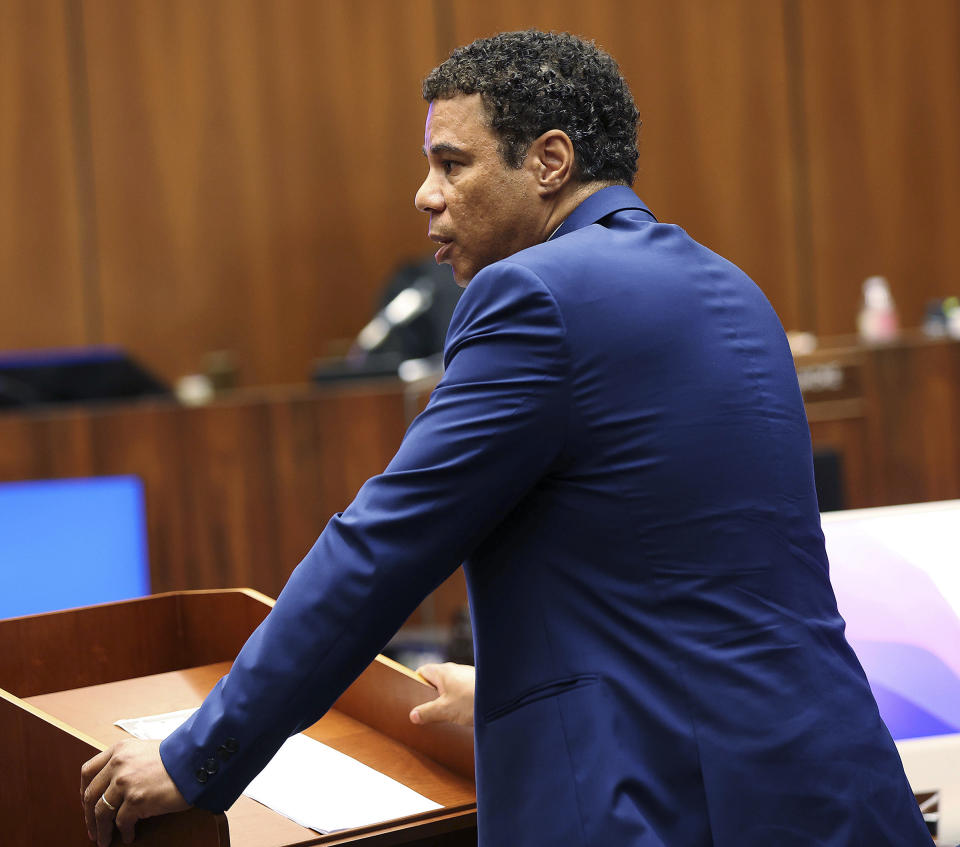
[71,542]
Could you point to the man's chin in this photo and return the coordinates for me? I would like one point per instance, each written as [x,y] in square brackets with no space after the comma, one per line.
[461,276]
[463,271]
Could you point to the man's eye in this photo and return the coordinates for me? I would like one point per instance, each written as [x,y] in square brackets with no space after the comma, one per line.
[448,165]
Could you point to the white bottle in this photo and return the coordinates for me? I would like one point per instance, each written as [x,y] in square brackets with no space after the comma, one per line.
[877,321]
[951,311]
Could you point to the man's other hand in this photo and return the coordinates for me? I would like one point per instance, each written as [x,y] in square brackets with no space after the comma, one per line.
[454,684]
[121,785]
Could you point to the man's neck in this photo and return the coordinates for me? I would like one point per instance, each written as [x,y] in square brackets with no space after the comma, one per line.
[572,196]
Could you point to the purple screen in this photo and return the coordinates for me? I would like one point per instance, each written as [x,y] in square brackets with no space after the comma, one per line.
[896,573]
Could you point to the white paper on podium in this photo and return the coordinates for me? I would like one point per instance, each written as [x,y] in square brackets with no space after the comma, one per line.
[310,783]
[154,727]
[321,788]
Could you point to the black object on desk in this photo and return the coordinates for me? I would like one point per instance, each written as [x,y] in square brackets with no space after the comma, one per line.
[73,375]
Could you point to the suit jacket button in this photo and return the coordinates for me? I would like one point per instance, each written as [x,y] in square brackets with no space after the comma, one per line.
[211,766]
[202,775]
[230,745]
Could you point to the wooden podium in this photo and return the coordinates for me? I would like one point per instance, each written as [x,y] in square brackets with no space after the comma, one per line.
[65,677]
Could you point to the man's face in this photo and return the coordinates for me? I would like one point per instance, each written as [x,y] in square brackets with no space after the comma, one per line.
[481,210]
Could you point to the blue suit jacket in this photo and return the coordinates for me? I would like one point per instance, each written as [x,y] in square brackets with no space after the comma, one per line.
[618,450]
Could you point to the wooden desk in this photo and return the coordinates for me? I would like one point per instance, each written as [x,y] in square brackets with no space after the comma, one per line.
[892,412]
[69,675]
[236,491]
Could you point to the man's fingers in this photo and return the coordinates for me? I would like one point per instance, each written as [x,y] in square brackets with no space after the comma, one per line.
[432,673]
[455,684]
[91,768]
[94,779]
[434,710]
[431,712]
[104,817]
[126,820]
[123,785]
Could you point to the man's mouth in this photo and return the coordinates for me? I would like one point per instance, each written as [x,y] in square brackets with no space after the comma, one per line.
[446,244]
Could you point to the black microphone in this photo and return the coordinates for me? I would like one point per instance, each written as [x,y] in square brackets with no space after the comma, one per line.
[408,305]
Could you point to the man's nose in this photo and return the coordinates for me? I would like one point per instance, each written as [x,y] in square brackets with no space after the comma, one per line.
[429,197]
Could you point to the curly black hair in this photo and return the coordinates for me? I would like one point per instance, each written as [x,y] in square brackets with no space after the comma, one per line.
[533,81]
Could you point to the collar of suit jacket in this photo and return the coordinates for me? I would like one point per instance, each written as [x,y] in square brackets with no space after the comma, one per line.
[598,205]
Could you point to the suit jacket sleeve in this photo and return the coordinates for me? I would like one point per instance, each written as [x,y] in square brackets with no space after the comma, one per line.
[493,426]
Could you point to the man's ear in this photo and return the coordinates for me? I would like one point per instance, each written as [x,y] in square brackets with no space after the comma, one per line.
[552,159]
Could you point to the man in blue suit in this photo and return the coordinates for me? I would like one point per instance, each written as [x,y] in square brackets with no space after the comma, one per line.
[618,450]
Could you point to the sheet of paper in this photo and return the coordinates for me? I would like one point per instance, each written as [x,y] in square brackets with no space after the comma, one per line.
[321,788]
[311,783]
[155,727]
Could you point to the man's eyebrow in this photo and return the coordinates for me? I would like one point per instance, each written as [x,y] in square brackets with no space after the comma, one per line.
[443,147]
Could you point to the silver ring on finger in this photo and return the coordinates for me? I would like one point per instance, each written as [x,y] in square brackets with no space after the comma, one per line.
[108,804]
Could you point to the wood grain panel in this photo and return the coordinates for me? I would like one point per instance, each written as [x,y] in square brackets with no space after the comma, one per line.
[710,83]
[839,393]
[895,428]
[847,436]
[18,459]
[236,492]
[255,165]
[148,440]
[917,389]
[41,803]
[881,81]
[57,650]
[304,456]
[83,647]
[41,257]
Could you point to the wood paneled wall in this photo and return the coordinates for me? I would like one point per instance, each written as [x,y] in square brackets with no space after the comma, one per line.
[709,79]
[42,251]
[254,165]
[184,177]
[880,84]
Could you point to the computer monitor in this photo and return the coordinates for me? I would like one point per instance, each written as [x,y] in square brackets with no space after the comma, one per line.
[71,542]
[896,573]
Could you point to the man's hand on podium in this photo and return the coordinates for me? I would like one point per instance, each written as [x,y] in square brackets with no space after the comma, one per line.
[454,684]
[124,784]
